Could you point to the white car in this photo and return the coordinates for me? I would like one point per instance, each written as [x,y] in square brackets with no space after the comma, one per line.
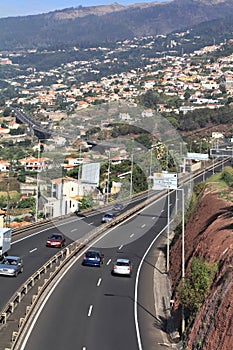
[122,267]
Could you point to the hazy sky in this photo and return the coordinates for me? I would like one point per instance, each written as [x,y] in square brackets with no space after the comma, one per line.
[10,8]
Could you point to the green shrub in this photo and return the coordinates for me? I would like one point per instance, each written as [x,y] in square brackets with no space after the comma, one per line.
[193,289]
[227,176]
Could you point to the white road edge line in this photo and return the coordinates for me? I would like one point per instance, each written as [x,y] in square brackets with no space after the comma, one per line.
[35,318]
[90,310]
[136,290]
[44,230]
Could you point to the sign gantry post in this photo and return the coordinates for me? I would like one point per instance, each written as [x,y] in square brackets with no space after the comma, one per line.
[168,181]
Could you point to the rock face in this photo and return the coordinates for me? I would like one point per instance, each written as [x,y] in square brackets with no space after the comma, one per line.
[209,235]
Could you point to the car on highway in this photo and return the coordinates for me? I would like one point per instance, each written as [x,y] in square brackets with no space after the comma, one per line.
[122,267]
[107,217]
[118,206]
[56,240]
[11,265]
[92,258]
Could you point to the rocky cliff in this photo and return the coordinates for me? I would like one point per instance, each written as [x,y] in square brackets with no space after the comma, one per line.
[209,235]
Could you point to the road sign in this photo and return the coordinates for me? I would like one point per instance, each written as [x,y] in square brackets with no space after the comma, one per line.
[165,180]
[197,156]
[221,152]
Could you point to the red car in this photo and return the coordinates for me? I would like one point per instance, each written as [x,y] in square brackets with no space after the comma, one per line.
[57,240]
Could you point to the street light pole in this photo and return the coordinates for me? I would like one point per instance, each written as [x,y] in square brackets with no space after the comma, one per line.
[182,259]
[108,176]
[131,177]
[168,229]
[37,183]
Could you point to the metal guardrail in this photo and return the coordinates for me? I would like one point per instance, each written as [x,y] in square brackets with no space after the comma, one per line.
[44,276]
[67,252]
[58,261]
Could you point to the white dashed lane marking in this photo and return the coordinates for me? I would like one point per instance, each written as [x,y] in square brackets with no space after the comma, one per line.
[33,250]
[90,310]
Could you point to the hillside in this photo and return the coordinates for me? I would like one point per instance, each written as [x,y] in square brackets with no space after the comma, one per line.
[110,23]
[208,235]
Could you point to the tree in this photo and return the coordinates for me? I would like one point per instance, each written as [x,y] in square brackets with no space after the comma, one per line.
[7,112]
[144,140]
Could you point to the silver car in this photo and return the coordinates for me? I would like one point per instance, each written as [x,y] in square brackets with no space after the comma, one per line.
[107,217]
[11,266]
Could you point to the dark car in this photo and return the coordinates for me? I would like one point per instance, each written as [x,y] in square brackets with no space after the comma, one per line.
[117,206]
[56,240]
[11,266]
[92,258]
[108,217]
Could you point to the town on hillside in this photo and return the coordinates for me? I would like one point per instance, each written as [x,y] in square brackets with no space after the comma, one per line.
[66,146]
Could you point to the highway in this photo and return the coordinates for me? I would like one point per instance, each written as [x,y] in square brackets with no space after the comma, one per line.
[30,245]
[90,308]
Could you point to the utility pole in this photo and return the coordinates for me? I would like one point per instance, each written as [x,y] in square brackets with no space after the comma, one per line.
[37,182]
[108,179]
[131,177]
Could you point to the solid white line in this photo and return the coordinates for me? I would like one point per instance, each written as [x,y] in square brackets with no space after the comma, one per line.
[33,250]
[90,310]
[99,282]
[136,290]
[44,230]
[28,333]
[109,261]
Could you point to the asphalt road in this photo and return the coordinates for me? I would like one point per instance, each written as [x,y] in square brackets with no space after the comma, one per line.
[90,308]
[30,245]
[109,300]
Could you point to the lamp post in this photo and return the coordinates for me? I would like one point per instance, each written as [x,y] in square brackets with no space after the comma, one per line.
[37,176]
[131,177]
[108,176]
[37,182]
[168,230]
[150,169]
[182,259]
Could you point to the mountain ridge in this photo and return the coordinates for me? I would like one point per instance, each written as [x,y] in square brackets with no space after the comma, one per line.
[108,23]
